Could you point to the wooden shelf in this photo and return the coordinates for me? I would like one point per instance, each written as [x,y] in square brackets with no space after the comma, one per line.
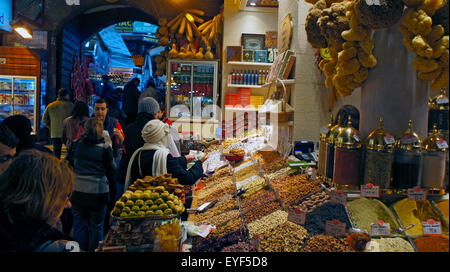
[265,64]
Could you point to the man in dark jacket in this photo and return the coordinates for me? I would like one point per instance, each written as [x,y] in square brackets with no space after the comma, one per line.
[130,99]
[107,88]
[148,109]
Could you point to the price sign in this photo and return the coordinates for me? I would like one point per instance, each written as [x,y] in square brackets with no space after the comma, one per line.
[373,2]
[442,144]
[356,137]
[370,190]
[381,228]
[442,101]
[324,130]
[338,197]
[335,228]
[408,139]
[417,194]
[297,216]
[431,227]
[389,139]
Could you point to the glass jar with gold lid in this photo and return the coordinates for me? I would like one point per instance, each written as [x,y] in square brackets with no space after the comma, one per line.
[378,157]
[347,158]
[407,166]
[438,113]
[334,131]
[324,133]
[434,149]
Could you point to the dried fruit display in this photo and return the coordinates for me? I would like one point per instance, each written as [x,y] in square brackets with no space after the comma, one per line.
[150,183]
[311,202]
[267,222]
[290,188]
[216,244]
[323,243]
[260,211]
[260,198]
[225,203]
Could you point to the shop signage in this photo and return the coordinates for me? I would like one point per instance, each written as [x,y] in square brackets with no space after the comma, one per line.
[431,227]
[335,228]
[370,190]
[417,194]
[338,197]
[441,100]
[5,15]
[297,216]
[124,27]
[381,228]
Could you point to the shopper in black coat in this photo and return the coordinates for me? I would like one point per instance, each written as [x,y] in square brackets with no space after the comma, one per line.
[154,158]
[130,99]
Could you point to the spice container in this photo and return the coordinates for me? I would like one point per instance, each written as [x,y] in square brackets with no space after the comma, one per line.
[407,167]
[379,157]
[324,134]
[335,130]
[434,150]
[438,113]
[347,158]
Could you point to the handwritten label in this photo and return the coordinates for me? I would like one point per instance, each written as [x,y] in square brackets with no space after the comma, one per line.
[370,190]
[431,227]
[373,2]
[297,216]
[335,228]
[381,228]
[338,197]
[442,101]
[389,139]
[442,144]
[417,194]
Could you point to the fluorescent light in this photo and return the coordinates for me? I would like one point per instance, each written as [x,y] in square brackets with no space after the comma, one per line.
[252,4]
[23,32]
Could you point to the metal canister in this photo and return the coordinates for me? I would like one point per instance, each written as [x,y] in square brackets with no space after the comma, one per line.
[324,133]
[335,130]
[347,158]
[434,149]
[379,157]
[407,166]
[438,114]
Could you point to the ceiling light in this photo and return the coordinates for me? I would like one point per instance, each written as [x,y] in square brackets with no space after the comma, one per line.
[252,4]
[23,32]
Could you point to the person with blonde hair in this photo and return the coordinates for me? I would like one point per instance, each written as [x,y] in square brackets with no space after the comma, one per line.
[34,190]
[93,162]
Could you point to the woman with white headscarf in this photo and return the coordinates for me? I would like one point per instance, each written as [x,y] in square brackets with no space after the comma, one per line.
[154,158]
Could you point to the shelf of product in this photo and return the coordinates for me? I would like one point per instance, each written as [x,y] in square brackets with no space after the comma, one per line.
[192,89]
[250,63]
[247,78]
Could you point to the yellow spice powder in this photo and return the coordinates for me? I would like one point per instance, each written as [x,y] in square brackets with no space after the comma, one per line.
[443,207]
[415,212]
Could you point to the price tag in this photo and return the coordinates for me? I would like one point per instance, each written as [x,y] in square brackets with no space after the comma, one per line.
[324,130]
[370,190]
[335,228]
[297,216]
[442,144]
[338,197]
[417,194]
[442,101]
[325,53]
[373,2]
[408,139]
[431,227]
[381,228]
[389,139]
[356,137]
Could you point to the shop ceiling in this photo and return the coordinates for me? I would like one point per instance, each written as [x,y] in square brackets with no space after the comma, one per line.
[97,14]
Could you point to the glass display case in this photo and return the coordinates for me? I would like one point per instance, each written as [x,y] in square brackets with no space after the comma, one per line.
[17,96]
[191,89]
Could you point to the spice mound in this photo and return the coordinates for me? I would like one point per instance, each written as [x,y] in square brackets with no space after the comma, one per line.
[316,220]
[323,243]
[432,244]
[366,211]
[287,237]
[416,212]
[389,245]
[443,207]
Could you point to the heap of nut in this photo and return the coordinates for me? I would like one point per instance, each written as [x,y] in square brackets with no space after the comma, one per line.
[150,183]
[234,152]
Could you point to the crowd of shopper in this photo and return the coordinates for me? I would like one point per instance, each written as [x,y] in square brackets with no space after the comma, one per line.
[50,202]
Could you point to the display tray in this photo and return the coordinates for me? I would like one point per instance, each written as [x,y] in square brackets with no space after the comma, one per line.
[156,218]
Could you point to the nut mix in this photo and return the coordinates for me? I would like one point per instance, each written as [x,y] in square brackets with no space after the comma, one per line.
[324,243]
[267,222]
[259,198]
[274,166]
[287,237]
[260,211]
[209,194]
[221,219]
[232,225]
[225,203]
[291,188]
[246,172]
[311,202]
